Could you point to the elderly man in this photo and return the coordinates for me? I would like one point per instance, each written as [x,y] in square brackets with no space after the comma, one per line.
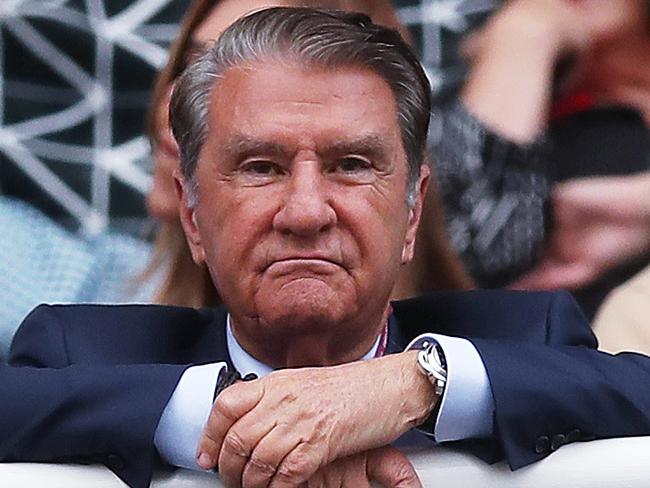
[302,135]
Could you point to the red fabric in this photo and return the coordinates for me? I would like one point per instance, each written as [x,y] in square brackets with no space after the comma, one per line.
[577,102]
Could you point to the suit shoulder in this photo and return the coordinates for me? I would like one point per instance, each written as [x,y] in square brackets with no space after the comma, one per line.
[478,313]
[492,299]
[127,333]
[97,315]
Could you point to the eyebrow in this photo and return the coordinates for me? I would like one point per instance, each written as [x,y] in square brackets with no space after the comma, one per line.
[243,146]
[372,145]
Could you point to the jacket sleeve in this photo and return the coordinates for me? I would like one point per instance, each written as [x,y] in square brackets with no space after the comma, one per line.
[564,390]
[54,411]
[494,193]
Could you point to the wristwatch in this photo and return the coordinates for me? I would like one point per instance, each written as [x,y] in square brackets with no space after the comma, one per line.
[432,363]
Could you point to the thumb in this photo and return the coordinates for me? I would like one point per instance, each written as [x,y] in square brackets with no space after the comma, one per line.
[391,468]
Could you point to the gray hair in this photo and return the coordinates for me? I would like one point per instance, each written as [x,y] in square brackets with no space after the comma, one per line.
[323,38]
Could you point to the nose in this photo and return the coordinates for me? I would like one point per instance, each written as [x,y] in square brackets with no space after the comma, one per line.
[306,207]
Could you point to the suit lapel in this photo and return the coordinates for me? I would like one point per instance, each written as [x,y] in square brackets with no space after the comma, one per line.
[396,339]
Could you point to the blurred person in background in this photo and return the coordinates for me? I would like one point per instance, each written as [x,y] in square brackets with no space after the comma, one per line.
[74,80]
[536,109]
[44,262]
[617,226]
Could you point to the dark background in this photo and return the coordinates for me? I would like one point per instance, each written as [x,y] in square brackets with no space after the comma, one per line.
[90,71]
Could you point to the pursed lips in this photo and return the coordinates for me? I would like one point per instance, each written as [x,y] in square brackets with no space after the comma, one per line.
[296,263]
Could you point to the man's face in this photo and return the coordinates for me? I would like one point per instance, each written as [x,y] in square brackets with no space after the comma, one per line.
[302,215]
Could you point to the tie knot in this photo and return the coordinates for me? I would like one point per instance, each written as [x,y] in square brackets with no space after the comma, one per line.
[229,376]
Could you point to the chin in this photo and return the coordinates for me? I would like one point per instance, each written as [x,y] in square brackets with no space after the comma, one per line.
[310,308]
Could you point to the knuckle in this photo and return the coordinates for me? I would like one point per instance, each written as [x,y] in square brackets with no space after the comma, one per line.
[404,474]
[234,443]
[209,431]
[296,468]
[226,404]
[263,466]
[396,466]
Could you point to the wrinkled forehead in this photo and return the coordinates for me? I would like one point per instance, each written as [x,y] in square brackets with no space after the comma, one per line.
[287,98]
[290,113]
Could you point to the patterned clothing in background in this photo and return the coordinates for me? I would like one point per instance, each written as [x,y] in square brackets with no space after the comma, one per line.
[42,262]
[494,193]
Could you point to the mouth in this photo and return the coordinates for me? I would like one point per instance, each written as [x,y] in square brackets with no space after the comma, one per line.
[310,265]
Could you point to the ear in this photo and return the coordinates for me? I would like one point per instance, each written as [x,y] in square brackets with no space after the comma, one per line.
[415,214]
[188,219]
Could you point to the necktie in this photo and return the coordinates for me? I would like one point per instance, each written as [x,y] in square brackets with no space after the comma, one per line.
[228,376]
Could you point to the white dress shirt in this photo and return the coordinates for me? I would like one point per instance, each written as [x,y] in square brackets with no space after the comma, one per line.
[466,407]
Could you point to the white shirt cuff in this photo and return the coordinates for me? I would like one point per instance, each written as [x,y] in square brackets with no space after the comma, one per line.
[180,426]
[467,406]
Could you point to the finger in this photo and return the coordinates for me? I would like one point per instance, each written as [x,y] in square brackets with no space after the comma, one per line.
[232,404]
[549,276]
[533,279]
[296,468]
[267,456]
[355,471]
[239,444]
[317,480]
[392,469]
[330,476]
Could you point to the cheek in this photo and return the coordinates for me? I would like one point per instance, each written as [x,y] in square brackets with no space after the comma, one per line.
[234,225]
[378,226]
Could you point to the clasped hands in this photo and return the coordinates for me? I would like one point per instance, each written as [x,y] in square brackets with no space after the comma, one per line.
[318,427]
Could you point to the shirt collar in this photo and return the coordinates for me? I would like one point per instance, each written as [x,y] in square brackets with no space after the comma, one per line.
[245,363]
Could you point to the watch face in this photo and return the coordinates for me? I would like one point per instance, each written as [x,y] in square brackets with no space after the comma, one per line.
[440,357]
[431,362]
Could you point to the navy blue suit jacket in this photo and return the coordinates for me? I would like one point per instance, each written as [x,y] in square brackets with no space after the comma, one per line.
[88,382]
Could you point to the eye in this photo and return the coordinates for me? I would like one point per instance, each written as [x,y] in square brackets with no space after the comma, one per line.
[353,164]
[261,168]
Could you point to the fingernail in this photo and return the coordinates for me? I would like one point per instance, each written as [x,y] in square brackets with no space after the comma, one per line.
[204,460]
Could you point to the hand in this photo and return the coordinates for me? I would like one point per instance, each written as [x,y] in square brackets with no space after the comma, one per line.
[599,223]
[568,25]
[514,58]
[576,24]
[279,430]
[385,465]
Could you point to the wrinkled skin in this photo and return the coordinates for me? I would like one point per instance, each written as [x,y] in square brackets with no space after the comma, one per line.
[303,222]
[281,430]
